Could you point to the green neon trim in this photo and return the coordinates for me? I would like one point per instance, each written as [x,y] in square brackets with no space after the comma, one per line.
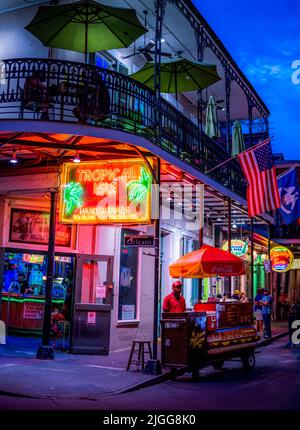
[14,299]
[72,197]
[138,190]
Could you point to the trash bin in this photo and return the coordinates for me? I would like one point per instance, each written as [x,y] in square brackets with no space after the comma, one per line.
[183,336]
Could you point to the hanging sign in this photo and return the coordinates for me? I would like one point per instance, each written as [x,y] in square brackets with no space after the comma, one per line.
[267,266]
[238,247]
[281,258]
[103,192]
[146,241]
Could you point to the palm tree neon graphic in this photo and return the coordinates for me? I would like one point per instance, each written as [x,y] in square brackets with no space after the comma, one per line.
[137,190]
[72,196]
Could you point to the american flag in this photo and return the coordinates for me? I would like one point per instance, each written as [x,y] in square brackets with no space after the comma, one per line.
[259,170]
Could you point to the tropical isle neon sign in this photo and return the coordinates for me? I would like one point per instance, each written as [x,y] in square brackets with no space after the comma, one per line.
[102,192]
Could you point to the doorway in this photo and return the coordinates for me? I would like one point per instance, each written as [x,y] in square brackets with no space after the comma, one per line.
[93,302]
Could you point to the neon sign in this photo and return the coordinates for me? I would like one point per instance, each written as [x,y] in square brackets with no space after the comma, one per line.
[238,247]
[282,259]
[103,192]
[33,258]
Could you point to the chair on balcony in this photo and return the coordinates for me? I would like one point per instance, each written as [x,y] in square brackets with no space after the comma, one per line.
[36,97]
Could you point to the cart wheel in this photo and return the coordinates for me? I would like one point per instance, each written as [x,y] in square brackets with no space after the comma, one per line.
[248,361]
[217,365]
[173,373]
[195,374]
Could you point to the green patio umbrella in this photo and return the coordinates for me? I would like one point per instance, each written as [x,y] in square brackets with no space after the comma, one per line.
[238,144]
[178,75]
[211,123]
[85,26]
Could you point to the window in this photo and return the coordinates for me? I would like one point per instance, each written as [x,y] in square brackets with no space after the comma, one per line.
[128,279]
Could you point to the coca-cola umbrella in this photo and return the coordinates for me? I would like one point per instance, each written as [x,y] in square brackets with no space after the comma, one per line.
[207,262]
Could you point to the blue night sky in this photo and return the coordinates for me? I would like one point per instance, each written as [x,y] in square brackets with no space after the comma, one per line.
[263,37]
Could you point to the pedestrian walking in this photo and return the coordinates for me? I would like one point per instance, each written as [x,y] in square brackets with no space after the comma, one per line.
[258,310]
[267,304]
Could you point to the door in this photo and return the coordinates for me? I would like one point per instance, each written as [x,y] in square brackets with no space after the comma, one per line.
[93,302]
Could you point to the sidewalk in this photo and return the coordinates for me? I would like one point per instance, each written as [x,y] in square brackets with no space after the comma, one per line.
[68,375]
[279,329]
[77,376]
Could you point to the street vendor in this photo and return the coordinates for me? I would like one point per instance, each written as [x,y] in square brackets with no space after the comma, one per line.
[174,302]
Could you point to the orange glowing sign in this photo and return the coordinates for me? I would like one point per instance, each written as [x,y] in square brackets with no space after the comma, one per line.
[102,192]
[281,258]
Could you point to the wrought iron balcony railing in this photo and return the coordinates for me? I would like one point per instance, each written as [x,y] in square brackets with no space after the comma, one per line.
[67,91]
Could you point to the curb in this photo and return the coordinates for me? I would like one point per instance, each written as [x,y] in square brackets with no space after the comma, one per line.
[269,341]
[148,383]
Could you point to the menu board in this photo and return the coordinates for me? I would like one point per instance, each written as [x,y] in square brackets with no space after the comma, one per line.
[233,314]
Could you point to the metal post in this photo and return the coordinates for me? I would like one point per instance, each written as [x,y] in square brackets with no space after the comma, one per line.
[252,261]
[229,237]
[200,55]
[227,101]
[269,254]
[267,126]
[156,268]
[44,351]
[201,227]
[50,268]
[160,8]
[250,119]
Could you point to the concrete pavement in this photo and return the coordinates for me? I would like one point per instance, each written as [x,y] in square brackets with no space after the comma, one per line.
[74,376]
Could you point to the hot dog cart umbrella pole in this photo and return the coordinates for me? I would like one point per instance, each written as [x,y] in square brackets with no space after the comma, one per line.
[214,332]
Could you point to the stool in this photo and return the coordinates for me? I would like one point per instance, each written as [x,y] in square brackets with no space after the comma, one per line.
[138,348]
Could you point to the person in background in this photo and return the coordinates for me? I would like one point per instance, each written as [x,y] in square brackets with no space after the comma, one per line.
[11,275]
[244,298]
[67,307]
[267,305]
[258,310]
[36,91]
[283,305]
[236,295]
[174,302]
[23,283]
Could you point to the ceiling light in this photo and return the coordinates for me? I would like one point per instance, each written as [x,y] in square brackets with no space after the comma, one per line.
[219,219]
[76,159]
[13,159]
[234,225]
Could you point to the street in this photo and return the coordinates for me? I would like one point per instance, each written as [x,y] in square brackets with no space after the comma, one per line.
[274,384]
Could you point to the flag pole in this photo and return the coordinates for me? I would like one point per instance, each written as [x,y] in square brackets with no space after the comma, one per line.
[235,156]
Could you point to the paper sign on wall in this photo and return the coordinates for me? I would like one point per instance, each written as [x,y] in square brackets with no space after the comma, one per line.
[91,318]
[128,312]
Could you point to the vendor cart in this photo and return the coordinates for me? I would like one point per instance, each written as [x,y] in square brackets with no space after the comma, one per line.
[213,332]
[194,340]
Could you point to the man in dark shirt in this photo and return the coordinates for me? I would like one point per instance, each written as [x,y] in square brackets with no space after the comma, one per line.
[175,302]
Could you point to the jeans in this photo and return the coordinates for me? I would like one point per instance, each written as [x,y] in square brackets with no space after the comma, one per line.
[267,324]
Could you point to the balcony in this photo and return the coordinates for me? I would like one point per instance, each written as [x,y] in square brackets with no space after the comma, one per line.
[76,92]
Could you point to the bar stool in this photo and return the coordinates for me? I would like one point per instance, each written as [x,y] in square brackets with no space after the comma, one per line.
[138,348]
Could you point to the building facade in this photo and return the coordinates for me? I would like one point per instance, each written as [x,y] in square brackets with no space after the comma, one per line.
[116,288]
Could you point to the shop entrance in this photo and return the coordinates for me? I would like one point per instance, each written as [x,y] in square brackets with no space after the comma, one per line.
[93,302]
